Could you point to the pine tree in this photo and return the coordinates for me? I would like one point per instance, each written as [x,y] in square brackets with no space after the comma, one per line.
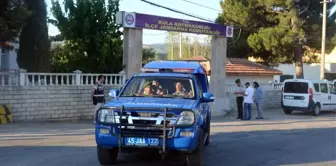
[13,14]
[91,34]
[278,31]
[34,52]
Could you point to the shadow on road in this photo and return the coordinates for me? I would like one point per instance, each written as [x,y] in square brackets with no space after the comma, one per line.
[273,147]
[254,148]
[76,155]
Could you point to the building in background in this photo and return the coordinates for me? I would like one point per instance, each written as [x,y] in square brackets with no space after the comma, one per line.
[8,57]
[243,69]
[310,70]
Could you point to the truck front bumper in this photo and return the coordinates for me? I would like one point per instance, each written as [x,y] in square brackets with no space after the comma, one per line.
[107,136]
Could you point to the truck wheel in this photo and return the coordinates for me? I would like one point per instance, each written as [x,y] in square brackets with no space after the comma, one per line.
[207,141]
[196,157]
[107,156]
[316,110]
[286,111]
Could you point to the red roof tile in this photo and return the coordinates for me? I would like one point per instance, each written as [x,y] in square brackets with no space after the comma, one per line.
[245,67]
[236,66]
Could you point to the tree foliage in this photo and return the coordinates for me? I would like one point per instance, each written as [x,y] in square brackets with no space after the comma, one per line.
[148,55]
[274,29]
[13,15]
[93,39]
[190,47]
[34,52]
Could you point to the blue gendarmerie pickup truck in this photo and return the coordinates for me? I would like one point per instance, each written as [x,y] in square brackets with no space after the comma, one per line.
[163,107]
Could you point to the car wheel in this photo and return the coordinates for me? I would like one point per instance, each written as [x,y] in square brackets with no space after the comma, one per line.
[107,156]
[207,141]
[286,111]
[196,157]
[316,110]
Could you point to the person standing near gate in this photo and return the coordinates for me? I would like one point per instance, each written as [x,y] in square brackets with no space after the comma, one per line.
[97,95]
[239,92]
[248,101]
[259,99]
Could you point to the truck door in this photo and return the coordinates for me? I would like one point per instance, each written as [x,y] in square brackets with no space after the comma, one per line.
[204,107]
[325,96]
[332,97]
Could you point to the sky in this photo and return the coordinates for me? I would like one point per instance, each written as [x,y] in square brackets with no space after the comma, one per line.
[154,36]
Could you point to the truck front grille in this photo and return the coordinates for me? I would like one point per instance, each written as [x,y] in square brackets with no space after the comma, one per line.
[145,124]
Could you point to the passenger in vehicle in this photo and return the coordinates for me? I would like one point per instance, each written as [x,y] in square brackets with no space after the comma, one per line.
[147,89]
[157,88]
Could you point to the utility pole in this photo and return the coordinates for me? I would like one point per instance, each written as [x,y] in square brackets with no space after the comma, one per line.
[180,45]
[324,24]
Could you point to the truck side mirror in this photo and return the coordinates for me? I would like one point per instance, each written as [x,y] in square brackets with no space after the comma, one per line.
[208,97]
[114,93]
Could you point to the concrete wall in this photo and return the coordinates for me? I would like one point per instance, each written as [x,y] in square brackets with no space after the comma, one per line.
[243,79]
[272,100]
[44,103]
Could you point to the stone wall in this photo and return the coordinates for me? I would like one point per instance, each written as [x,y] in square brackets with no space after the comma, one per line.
[40,103]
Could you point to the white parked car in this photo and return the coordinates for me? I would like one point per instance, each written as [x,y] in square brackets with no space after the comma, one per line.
[308,95]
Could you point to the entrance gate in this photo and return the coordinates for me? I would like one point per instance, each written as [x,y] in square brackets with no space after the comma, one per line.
[133,23]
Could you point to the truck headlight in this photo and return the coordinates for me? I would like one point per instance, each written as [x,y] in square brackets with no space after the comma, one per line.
[186,118]
[108,116]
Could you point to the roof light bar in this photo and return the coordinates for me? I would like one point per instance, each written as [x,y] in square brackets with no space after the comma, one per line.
[183,70]
[148,70]
[175,70]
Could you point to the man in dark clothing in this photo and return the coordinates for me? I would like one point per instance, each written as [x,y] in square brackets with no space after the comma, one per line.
[239,92]
[97,94]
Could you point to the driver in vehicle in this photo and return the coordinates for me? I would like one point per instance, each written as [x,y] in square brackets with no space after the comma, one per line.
[180,91]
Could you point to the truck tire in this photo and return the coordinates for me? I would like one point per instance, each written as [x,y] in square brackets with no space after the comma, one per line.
[207,141]
[196,157]
[287,111]
[107,156]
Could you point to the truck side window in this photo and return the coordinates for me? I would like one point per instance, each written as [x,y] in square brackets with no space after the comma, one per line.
[134,84]
[332,89]
[317,87]
[200,89]
[324,88]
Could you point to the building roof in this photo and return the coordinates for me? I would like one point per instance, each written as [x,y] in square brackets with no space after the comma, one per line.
[235,66]
[198,58]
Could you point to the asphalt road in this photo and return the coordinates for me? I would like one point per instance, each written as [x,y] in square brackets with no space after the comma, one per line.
[298,139]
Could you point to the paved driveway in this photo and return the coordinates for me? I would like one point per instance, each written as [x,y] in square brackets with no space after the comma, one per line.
[297,139]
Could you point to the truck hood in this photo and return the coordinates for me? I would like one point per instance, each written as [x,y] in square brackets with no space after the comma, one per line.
[152,102]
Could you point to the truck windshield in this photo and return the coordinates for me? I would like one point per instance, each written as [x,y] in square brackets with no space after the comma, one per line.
[164,87]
